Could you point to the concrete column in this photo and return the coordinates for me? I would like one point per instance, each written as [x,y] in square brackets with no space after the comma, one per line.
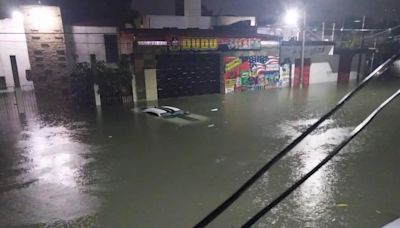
[97,95]
[93,66]
[150,76]
[134,89]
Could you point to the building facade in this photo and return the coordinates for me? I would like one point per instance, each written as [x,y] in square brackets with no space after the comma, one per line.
[37,49]
[14,56]
[188,14]
[100,41]
[45,39]
[181,62]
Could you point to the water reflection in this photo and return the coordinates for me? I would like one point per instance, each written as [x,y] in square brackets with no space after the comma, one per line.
[131,170]
[52,185]
[49,165]
[315,198]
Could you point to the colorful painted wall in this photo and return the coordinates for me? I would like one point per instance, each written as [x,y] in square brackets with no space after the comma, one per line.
[252,73]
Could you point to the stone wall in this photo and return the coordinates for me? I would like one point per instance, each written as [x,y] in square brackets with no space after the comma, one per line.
[47,50]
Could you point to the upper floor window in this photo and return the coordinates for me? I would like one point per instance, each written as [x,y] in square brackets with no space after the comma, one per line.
[179,7]
[111,45]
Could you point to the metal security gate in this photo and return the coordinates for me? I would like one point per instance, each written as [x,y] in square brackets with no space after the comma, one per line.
[9,99]
[181,75]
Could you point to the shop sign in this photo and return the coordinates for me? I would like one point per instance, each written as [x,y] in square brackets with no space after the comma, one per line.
[207,44]
[200,44]
[152,43]
[239,43]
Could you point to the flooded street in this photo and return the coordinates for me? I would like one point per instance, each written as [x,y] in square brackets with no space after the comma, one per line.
[120,168]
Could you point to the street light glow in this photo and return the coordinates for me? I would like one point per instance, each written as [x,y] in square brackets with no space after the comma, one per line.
[292,17]
[17,15]
[41,18]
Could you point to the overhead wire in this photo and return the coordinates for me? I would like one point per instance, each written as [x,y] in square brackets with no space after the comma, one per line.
[328,158]
[244,187]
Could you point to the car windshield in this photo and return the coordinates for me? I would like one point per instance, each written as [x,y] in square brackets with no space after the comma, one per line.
[199,113]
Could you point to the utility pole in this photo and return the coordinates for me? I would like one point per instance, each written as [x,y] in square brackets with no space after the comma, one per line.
[373,57]
[333,32]
[361,47]
[303,45]
[323,31]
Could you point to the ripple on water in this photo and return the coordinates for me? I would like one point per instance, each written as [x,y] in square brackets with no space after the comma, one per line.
[52,180]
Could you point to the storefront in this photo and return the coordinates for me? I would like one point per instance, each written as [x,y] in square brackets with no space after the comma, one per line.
[194,62]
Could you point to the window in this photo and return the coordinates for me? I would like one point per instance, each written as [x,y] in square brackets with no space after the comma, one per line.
[14,68]
[3,84]
[179,7]
[111,44]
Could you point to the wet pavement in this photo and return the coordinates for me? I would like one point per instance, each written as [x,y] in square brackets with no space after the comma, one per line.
[120,168]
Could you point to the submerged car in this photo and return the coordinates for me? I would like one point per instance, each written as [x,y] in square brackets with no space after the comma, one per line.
[164,111]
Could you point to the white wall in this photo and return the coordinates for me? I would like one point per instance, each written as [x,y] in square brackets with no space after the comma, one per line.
[87,40]
[324,65]
[182,22]
[228,20]
[271,31]
[324,69]
[14,44]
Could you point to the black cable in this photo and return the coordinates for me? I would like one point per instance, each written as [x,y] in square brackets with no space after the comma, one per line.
[222,207]
[59,33]
[353,134]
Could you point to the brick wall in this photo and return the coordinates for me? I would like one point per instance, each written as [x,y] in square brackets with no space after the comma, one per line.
[47,50]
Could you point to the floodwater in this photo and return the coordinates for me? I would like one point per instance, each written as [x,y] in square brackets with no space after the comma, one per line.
[119,168]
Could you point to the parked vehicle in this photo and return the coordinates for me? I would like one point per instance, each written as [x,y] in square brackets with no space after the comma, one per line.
[165,111]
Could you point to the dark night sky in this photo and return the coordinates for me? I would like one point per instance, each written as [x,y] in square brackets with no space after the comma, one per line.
[318,10]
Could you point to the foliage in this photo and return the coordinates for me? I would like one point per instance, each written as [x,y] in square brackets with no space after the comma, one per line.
[82,84]
[112,80]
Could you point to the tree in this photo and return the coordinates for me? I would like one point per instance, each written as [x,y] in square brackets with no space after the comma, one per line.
[112,81]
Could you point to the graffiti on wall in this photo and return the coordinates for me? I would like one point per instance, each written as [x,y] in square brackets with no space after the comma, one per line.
[252,73]
[286,72]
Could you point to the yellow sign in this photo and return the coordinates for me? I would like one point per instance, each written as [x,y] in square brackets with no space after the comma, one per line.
[232,64]
[186,44]
[199,44]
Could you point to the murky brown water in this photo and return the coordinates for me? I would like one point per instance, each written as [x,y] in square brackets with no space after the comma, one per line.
[118,168]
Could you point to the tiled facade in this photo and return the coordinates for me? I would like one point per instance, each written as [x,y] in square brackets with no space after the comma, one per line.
[47,50]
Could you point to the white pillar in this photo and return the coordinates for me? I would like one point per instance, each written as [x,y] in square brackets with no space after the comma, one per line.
[134,89]
[97,95]
[150,76]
